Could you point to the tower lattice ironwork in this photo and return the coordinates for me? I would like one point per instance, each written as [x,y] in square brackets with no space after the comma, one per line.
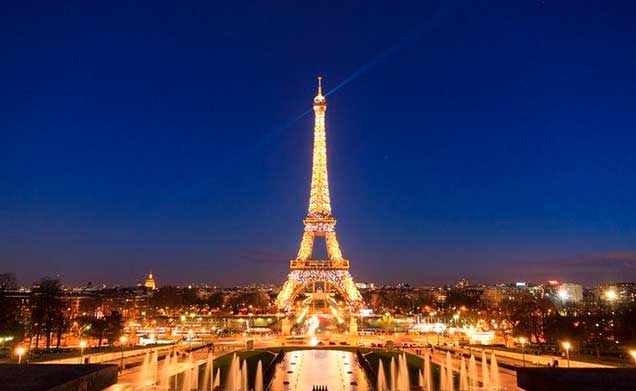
[307,273]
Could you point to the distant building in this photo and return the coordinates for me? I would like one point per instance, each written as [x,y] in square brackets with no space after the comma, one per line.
[463,283]
[365,285]
[150,282]
[495,295]
[626,292]
[440,296]
[570,293]
[8,282]
[623,292]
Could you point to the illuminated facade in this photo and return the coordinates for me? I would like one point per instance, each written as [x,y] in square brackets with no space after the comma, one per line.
[319,277]
[150,282]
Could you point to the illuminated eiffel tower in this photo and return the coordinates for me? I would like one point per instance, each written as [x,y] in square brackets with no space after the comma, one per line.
[319,279]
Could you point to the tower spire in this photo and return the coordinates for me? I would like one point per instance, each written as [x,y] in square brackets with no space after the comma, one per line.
[319,201]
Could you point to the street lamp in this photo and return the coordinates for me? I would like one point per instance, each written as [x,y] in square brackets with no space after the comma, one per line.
[611,295]
[84,328]
[82,345]
[567,346]
[122,340]
[522,341]
[633,354]
[20,350]
[190,336]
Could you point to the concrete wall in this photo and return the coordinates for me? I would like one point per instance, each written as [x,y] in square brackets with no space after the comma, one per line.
[98,358]
[538,360]
[576,379]
[94,381]
[56,377]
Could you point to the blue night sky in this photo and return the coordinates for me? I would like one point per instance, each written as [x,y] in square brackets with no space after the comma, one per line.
[489,141]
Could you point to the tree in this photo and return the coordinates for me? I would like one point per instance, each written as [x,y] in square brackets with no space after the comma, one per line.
[559,328]
[98,330]
[9,325]
[528,317]
[216,299]
[625,321]
[47,309]
[596,332]
[114,327]
[459,297]
[62,325]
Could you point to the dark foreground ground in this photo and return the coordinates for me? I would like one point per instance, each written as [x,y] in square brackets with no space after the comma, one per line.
[577,379]
[56,377]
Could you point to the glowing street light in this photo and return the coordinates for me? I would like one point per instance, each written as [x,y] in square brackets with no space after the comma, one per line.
[20,350]
[633,354]
[522,341]
[122,340]
[567,346]
[611,295]
[190,337]
[563,295]
[82,345]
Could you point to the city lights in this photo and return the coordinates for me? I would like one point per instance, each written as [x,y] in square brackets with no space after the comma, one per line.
[19,351]
[167,185]
[522,341]
[82,345]
[122,340]
[305,272]
[567,346]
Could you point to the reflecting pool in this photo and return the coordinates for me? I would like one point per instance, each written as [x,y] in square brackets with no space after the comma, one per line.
[304,369]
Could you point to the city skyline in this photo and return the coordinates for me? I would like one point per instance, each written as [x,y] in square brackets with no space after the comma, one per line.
[495,147]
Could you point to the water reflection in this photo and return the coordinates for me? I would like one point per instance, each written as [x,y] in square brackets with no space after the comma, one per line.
[303,369]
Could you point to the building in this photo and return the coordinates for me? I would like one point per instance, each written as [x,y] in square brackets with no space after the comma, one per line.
[365,285]
[150,282]
[495,295]
[623,292]
[570,293]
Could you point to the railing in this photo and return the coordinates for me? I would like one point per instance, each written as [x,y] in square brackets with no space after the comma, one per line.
[268,375]
[368,370]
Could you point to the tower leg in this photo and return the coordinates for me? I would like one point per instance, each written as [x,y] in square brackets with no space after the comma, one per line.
[285,326]
[353,326]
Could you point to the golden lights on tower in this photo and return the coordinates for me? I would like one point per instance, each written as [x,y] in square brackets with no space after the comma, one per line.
[319,223]
[319,201]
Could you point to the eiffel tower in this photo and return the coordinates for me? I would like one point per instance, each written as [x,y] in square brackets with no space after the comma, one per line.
[319,278]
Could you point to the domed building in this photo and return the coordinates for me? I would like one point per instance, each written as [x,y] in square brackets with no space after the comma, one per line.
[150,282]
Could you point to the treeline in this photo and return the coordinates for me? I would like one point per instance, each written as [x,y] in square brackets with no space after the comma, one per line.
[255,301]
[48,318]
